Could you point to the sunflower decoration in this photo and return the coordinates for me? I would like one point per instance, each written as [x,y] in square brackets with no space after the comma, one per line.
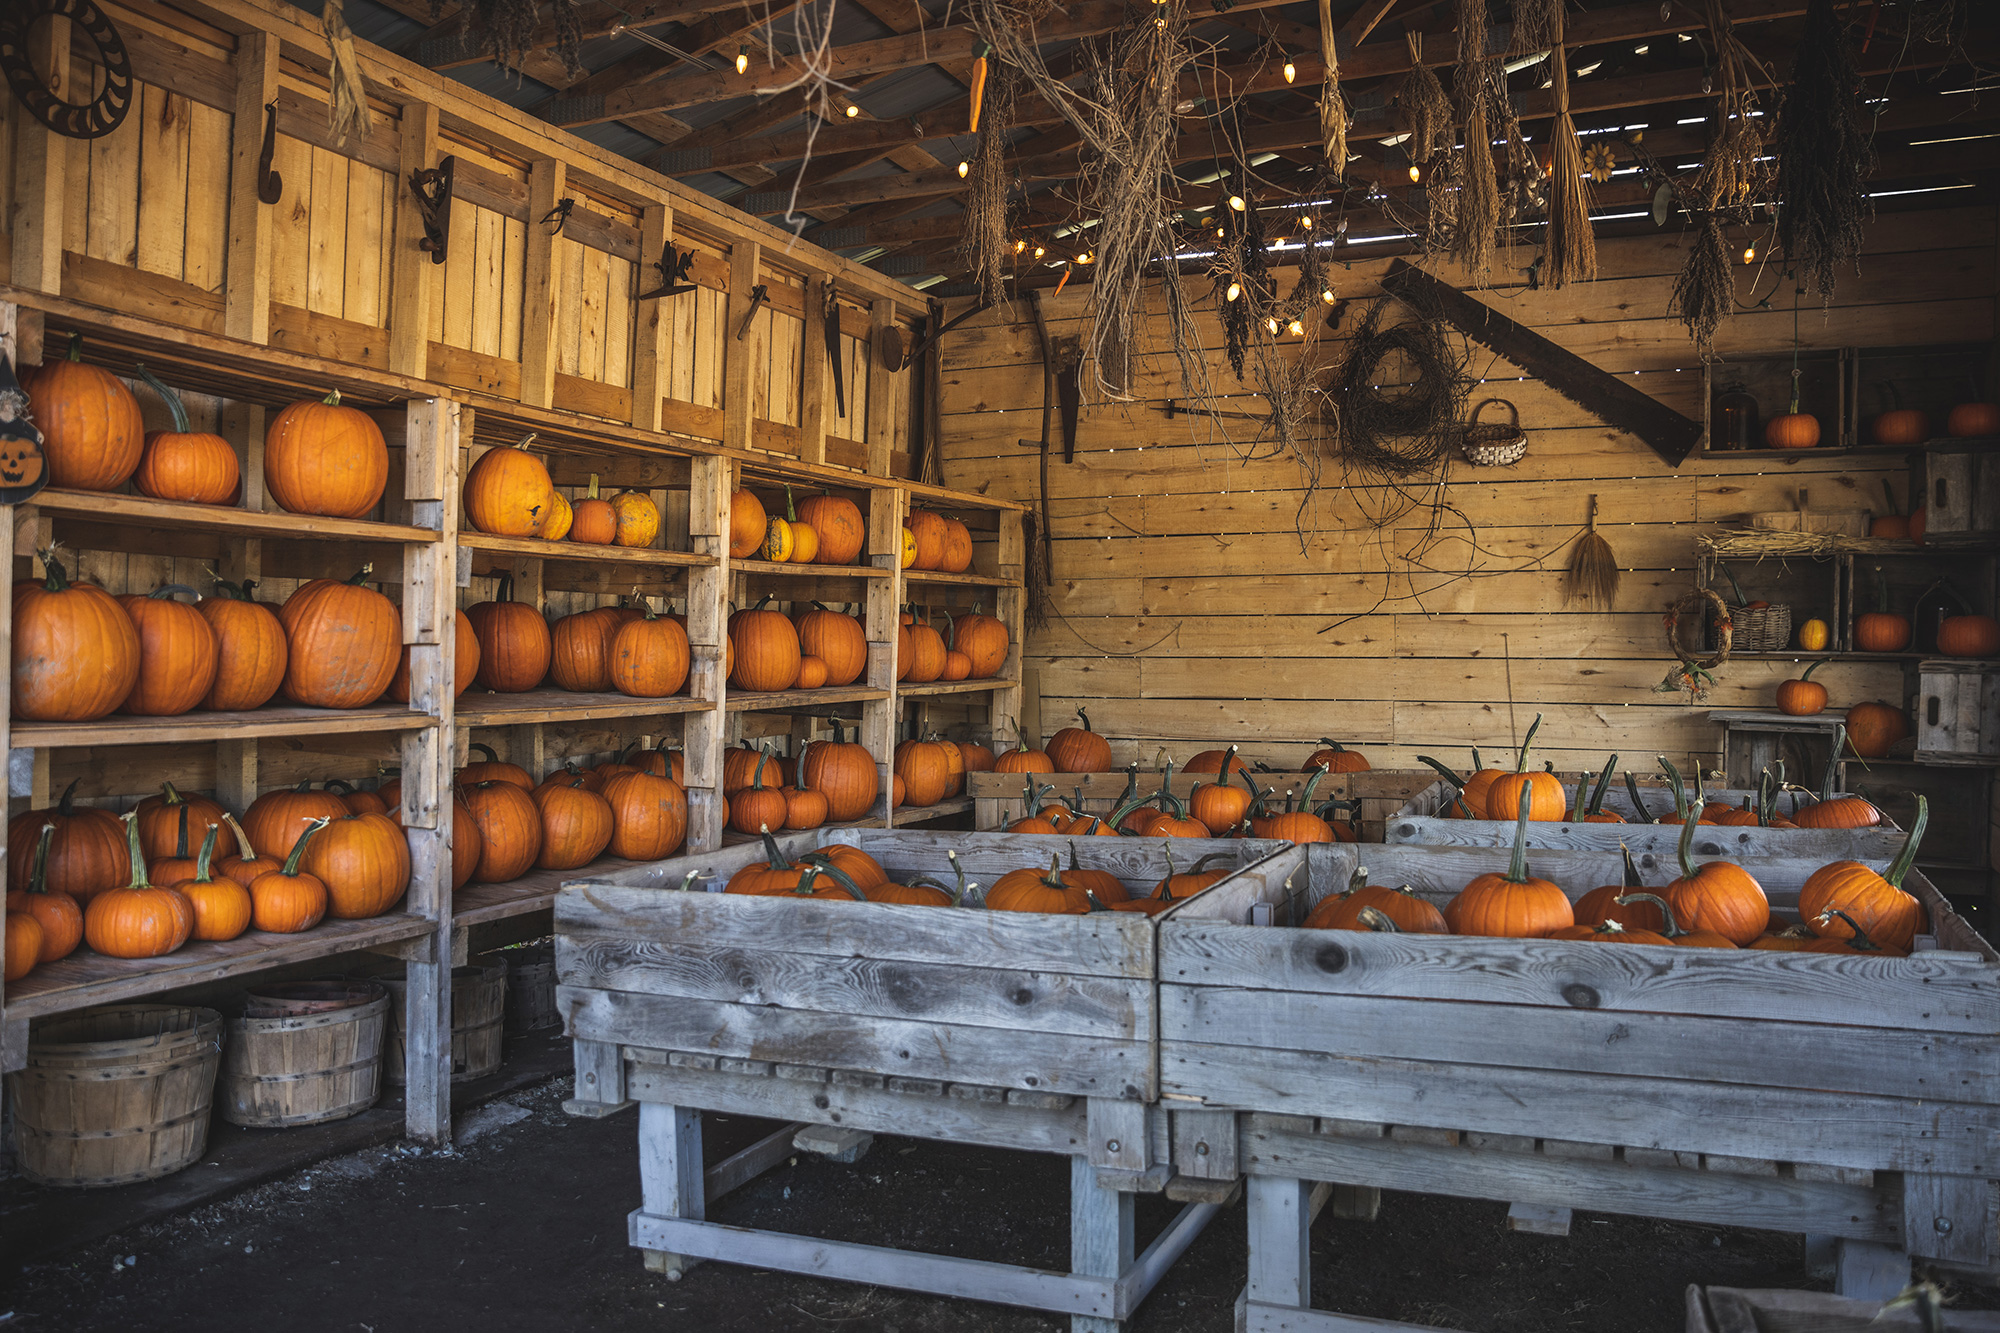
[1600,162]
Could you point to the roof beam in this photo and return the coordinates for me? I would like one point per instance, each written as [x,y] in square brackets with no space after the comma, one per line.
[446,45]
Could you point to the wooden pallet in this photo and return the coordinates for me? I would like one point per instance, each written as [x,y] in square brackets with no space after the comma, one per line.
[1030,1032]
[1850,1098]
[1419,822]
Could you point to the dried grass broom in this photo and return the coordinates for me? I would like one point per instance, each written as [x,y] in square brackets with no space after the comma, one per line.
[1572,245]
[1593,569]
[1824,158]
[1332,108]
[982,245]
[1538,25]
[1476,82]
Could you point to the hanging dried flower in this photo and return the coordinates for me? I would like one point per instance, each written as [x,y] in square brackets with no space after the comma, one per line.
[1824,158]
[1600,162]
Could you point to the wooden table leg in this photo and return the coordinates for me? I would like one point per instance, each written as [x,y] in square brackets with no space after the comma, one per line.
[670,1175]
[1280,1242]
[1100,1236]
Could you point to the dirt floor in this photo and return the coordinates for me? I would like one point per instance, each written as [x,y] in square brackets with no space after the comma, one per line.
[521,1225]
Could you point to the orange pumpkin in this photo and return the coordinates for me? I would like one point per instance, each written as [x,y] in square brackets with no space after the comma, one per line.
[178,653]
[576,824]
[492,769]
[843,770]
[1548,802]
[508,492]
[1873,727]
[510,829]
[580,650]
[92,432]
[767,650]
[923,767]
[24,945]
[1604,903]
[747,524]
[515,645]
[1792,430]
[928,529]
[364,861]
[1969,636]
[1033,890]
[650,657]
[251,651]
[1802,697]
[757,808]
[593,522]
[1715,896]
[286,900]
[955,555]
[984,640]
[343,640]
[322,458]
[1080,749]
[1845,898]
[172,824]
[59,915]
[464,662]
[841,529]
[649,816]
[76,651]
[196,467]
[140,920]
[812,673]
[1514,905]
[86,854]
[836,639]
[222,907]
[1410,914]
[1971,419]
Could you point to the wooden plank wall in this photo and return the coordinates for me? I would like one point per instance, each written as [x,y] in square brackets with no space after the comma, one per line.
[146,231]
[1205,591]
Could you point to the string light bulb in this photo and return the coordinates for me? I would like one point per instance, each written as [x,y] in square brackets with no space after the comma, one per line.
[1306,222]
[1271,324]
[964,170]
[742,60]
[852,111]
[1327,296]
[1235,290]
[1083,258]
[1019,246]
[1416,172]
[1040,251]
[1297,328]
[1749,254]
[1291,71]
[1236,202]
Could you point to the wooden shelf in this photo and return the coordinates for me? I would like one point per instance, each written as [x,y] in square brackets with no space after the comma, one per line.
[623,555]
[86,978]
[962,580]
[807,571]
[800,701]
[551,705]
[906,815]
[143,511]
[936,687]
[532,892]
[206,728]
[1768,717]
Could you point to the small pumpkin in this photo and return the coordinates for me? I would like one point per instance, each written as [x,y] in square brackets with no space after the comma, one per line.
[59,915]
[561,516]
[920,654]
[179,653]
[1969,636]
[24,945]
[1846,898]
[1514,905]
[1716,895]
[140,920]
[1548,801]
[1335,758]
[805,808]
[909,555]
[638,518]
[812,673]
[1793,429]
[492,768]
[343,642]
[1829,811]
[593,522]
[515,644]
[1080,749]
[1855,941]
[757,808]
[984,640]
[747,525]
[287,899]
[222,907]
[1605,903]
[580,650]
[247,863]
[1020,759]
[322,458]
[508,492]
[1899,427]
[1033,890]
[1814,635]
[251,650]
[1973,419]
[172,824]
[1804,696]
[76,652]
[1408,913]
[195,467]
[1872,728]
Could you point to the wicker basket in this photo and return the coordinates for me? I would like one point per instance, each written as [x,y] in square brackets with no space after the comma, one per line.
[1494,445]
[1768,629]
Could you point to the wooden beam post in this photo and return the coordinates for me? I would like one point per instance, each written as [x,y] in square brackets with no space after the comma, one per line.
[745,258]
[652,333]
[246,308]
[41,170]
[706,732]
[410,275]
[816,377]
[547,180]
[881,428]
[886,508]
[1004,712]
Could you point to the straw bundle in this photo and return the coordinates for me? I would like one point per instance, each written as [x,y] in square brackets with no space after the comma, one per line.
[1824,158]
[983,244]
[1593,569]
[1422,106]
[348,113]
[1537,25]
[1705,292]
[1572,246]
[1332,109]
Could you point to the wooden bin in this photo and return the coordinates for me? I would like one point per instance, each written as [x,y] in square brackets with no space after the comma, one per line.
[115,1094]
[997,799]
[1418,822]
[1012,1030]
[1958,712]
[531,986]
[478,1014]
[305,1053]
[1848,1097]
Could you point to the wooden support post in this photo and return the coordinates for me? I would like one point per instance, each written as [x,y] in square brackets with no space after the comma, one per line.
[1100,1236]
[1866,1271]
[246,309]
[429,583]
[41,172]
[745,258]
[652,333]
[1280,1242]
[242,424]
[878,716]
[547,180]
[410,274]
[816,405]
[671,1182]
[1009,606]
[881,426]
[14,1035]
[704,732]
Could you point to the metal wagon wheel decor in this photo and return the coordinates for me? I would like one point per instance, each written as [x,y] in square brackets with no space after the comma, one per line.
[92,120]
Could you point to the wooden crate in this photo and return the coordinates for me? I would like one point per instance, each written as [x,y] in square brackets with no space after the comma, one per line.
[1418,822]
[1010,1030]
[1961,490]
[1958,712]
[1845,1097]
[998,800]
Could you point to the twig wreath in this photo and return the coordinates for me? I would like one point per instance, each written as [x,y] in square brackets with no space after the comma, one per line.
[1403,429]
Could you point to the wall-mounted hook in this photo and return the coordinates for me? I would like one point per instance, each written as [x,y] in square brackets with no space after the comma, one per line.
[270,185]
[433,187]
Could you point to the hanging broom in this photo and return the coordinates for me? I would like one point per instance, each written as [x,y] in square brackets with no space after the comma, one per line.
[1572,246]
[1593,569]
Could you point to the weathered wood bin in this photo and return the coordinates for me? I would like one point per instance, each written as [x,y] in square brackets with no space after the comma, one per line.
[1419,822]
[998,801]
[1843,1097]
[1007,1030]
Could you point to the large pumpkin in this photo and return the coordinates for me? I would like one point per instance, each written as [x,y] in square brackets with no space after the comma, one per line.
[1968,636]
[845,771]
[1873,727]
[178,653]
[836,639]
[193,466]
[464,662]
[1875,903]
[322,458]
[1342,911]
[1716,896]
[510,829]
[747,525]
[576,824]
[1792,430]
[767,650]
[1515,905]
[508,492]
[344,641]
[928,529]
[1335,758]
[841,529]
[276,819]
[1080,749]
[364,862]
[251,651]
[1969,419]
[492,768]
[925,770]
[173,824]
[649,657]
[75,650]
[649,816]
[956,557]
[580,650]
[924,654]
[92,433]
[984,640]
[87,852]
[638,518]
[514,643]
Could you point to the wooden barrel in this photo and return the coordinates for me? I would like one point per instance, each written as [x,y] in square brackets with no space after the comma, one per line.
[531,986]
[116,1094]
[304,1053]
[478,1011]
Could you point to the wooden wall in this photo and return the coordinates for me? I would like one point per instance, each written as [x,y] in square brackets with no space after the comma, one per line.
[1188,610]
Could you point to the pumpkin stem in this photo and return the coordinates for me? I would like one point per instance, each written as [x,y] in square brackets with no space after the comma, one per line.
[1578,807]
[361,576]
[235,592]
[1517,866]
[1633,880]
[1195,869]
[242,839]
[591,493]
[1054,878]
[38,874]
[1676,785]
[1306,798]
[1908,856]
[332,399]
[167,396]
[53,579]
[791,510]
[67,805]
[139,880]
[205,855]
[492,755]
[1377,920]
[816,866]
[757,777]
[1686,846]
[1086,719]
[1638,804]
[772,856]
[1807,675]
[181,841]
[75,347]
[1673,929]
[1861,943]
[1603,781]
[1457,783]
[958,870]
[1521,763]
[1727,573]
[299,848]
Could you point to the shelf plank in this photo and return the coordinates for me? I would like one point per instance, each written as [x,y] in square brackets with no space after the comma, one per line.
[85,978]
[807,571]
[907,815]
[532,892]
[800,701]
[551,705]
[207,728]
[935,687]
[962,580]
[143,511]
[624,555]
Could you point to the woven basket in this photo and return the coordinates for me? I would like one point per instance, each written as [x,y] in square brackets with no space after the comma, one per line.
[1494,445]
[1765,630]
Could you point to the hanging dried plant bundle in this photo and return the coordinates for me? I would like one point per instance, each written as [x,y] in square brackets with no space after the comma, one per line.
[1421,106]
[347,112]
[1572,245]
[983,246]
[1482,96]
[1592,577]
[1471,39]
[1705,291]
[505,30]
[1537,25]
[1824,158]
[1333,118]
[1243,264]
